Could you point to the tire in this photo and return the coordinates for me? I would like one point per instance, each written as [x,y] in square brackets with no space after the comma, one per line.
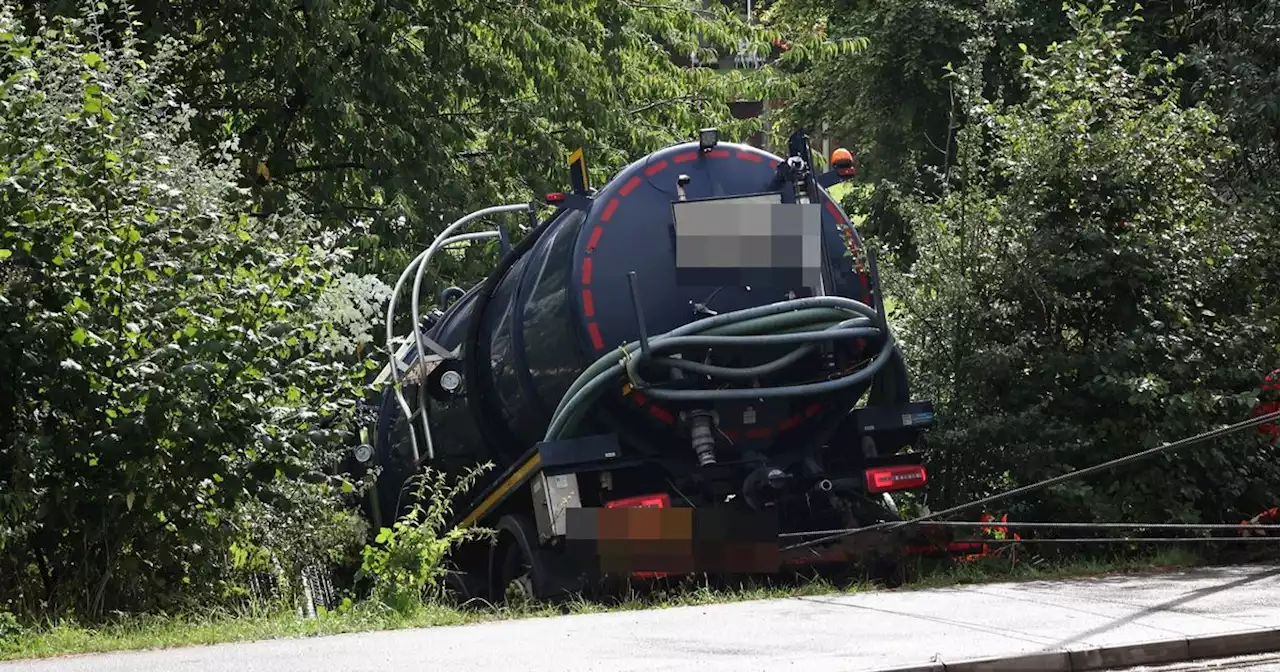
[887,565]
[521,570]
[462,587]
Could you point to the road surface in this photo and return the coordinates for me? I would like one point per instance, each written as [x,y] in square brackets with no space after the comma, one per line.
[838,633]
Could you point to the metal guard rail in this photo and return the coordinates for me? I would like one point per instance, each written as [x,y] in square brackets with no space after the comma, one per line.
[928,519]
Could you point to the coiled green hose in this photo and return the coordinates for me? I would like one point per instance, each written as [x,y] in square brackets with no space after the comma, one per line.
[804,320]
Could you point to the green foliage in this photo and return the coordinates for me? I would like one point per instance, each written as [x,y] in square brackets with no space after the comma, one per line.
[1079,236]
[890,103]
[10,629]
[393,118]
[1082,291]
[1235,48]
[168,365]
[406,563]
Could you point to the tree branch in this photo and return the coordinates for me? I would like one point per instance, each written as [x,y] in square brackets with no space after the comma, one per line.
[702,13]
[661,103]
[361,208]
[324,167]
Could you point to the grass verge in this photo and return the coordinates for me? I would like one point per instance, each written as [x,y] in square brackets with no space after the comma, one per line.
[158,632]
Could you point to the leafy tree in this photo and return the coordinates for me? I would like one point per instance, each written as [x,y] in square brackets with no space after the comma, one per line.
[170,379]
[391,118]
[1082,291]
[891,101]
[1235,48]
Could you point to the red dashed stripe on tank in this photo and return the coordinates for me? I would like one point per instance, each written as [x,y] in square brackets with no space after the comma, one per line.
[609,209]
[588,303]
[661,414]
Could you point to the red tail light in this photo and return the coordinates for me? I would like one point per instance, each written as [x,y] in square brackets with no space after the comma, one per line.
[901,477]
[658,501]
[555,198]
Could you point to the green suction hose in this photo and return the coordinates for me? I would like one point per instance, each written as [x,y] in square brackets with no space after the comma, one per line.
[804,321]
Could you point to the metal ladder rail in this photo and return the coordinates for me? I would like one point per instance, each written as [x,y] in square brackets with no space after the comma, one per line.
[420,341]
[393,368]
[407,346]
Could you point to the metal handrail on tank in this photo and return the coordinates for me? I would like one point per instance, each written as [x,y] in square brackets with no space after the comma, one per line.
[420,340]
[393,367]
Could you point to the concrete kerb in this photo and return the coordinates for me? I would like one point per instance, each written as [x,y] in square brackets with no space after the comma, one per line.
[1115,657]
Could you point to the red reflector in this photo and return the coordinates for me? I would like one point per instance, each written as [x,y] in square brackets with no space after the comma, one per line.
[555,198]
[658,501]
[902,477]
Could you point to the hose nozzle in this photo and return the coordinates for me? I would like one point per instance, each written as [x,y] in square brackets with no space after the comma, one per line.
[704,442]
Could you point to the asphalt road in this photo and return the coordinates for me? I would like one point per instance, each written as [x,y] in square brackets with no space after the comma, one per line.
[846,633]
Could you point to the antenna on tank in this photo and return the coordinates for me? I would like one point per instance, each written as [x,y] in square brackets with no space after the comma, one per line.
[635,303]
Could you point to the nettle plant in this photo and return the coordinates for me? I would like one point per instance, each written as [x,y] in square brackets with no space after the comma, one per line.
[407,563]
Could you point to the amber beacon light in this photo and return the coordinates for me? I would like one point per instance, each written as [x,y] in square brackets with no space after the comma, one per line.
[842,161]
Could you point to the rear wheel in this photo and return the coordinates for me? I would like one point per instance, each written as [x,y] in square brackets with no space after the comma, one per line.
[516,581]
[886,563]
[523,571]
[514,569]
[462,586]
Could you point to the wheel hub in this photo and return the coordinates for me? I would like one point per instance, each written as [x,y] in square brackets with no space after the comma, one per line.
[519,589]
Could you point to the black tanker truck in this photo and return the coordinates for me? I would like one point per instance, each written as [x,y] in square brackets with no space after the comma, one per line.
[675,373]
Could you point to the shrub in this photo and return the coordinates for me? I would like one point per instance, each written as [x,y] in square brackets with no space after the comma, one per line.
[168,372]
[1083,292]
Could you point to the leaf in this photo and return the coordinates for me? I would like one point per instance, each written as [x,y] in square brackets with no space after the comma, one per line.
[78,336]
[5,254]
[128,501]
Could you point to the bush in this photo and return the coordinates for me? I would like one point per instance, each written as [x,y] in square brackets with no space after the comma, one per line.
[1083,292]
[171,380]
